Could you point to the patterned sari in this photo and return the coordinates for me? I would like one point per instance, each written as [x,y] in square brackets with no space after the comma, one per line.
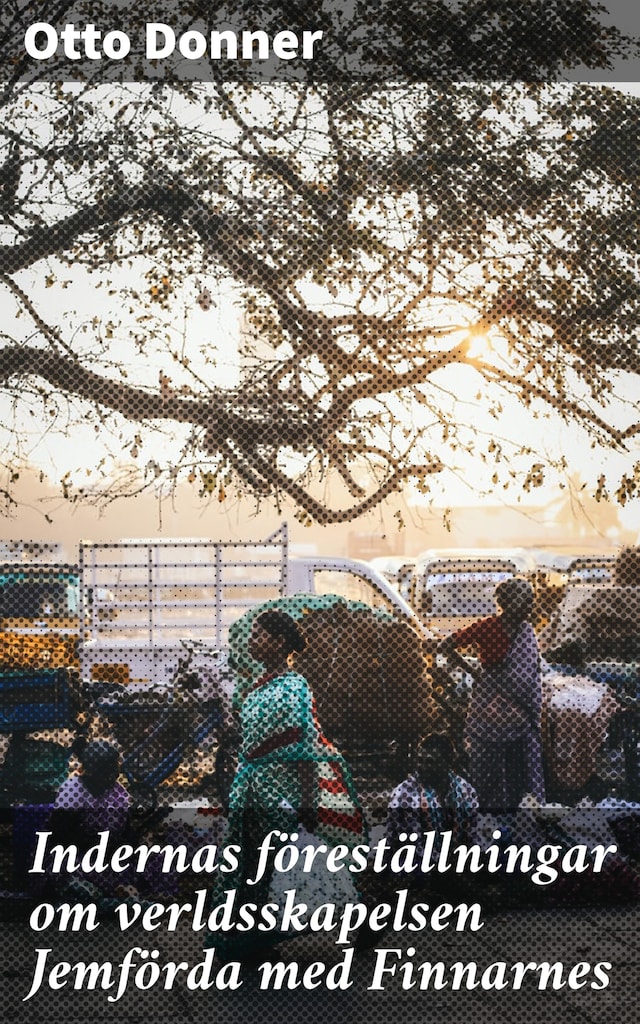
[279,730]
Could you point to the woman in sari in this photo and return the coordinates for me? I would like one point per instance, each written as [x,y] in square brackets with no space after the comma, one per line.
[288,772]
[502,728]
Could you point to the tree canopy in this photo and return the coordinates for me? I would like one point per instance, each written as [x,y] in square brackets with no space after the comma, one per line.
[378,242]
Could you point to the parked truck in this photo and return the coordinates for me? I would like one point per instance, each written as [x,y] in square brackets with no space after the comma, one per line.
[153,595]
[38,616]
[365,662]
[450,590]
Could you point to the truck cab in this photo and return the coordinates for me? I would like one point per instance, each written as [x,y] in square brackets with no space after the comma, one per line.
[351,579]
[165,591]
[38,616]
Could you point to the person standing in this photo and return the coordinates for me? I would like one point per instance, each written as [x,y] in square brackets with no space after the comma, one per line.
[502,728]
[288,774]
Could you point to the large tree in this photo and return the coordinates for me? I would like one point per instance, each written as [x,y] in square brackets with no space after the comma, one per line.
[379,240]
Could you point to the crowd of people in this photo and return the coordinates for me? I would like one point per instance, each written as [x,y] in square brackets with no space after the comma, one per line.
[291,776]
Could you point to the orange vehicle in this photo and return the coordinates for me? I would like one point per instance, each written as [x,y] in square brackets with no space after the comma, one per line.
[39,621]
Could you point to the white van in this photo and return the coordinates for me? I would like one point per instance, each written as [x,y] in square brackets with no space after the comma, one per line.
[449,593]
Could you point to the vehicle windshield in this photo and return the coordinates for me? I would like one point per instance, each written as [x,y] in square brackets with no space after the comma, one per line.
[351,587]
[25,596]
[463,593]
